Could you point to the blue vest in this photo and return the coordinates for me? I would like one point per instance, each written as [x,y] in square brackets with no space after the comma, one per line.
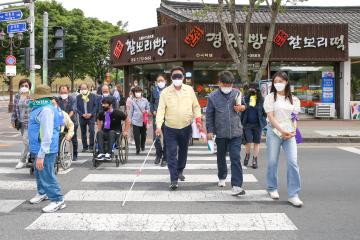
[34,131]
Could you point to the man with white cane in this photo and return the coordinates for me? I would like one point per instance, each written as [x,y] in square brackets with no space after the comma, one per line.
[178,105]
[223,119]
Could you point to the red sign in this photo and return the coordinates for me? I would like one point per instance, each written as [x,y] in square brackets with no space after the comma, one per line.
[118,49]
[194,36]
[281,38]
[10,60]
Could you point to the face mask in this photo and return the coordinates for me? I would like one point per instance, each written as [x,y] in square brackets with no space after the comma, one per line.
[279,86]
[138,94]
[177,83]
[64,96]
[84,92]
[105,108]
[161,84]
[226,90]
[24,90]
[106,94]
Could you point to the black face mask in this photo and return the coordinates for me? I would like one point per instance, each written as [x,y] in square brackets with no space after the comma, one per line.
[106,109]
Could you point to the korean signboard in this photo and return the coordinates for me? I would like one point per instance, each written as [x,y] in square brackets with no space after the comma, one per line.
[205,42]
[328,87]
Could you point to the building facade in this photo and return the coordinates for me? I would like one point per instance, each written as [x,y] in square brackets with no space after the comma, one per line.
[319,56]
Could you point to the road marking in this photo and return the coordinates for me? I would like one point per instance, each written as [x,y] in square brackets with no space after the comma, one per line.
[165,196]
[350,149]
[8,205]
[15,160]
[8,170]
[158,178]
[17,185]
[163,222]
[134,166]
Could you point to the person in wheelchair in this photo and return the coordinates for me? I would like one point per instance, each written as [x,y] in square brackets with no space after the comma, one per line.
[109,128]
[67,127]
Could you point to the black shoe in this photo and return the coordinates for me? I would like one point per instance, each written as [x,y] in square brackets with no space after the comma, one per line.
[181,177]
[85,150]
[246,160]
[137,152]
[173,186]
[143,149]
[163,163]
[157,160]
[254,163]
[74,158]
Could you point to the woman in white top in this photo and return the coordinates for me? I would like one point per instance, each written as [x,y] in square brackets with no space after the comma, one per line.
[279,105]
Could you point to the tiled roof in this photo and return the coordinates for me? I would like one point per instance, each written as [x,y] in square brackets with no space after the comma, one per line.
[188,12]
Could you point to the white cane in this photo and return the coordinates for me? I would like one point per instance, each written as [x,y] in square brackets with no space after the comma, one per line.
[138,173]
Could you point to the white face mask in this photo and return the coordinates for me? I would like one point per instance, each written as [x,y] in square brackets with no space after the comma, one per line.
[138,94]
[64,96]
[106,94]
[84,92]
[24,90]
[161,84]
[226,90]
[177,83]
[280,86]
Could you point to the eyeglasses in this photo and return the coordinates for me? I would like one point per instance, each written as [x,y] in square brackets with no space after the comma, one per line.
[177,76]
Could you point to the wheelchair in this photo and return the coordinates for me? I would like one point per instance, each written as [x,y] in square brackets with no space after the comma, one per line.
[63,159]
[119,154]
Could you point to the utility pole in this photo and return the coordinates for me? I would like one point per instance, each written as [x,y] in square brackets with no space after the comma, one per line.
[45,48]
[32,42]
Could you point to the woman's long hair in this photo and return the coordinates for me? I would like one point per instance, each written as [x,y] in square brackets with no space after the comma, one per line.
[285,77]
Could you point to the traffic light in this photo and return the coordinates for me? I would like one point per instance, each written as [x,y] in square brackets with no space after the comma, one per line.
[59,43]
[25,57]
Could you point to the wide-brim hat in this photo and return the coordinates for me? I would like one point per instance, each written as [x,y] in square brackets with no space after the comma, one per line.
[42,91]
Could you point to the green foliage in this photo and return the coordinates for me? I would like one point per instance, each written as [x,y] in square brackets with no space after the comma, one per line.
[86,41]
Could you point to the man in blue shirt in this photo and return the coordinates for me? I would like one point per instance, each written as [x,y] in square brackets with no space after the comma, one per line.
[44,128]
[154,103]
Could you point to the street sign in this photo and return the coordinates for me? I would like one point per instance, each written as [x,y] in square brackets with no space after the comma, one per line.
[10,60]
[10,70]
[17,27]
[11,15]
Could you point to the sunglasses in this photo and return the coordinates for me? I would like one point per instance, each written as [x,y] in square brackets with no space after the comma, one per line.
[177,76]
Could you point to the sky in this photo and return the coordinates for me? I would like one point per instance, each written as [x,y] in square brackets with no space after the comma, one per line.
[142,13]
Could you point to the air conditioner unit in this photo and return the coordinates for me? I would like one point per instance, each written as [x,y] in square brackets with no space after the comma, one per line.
[325,110]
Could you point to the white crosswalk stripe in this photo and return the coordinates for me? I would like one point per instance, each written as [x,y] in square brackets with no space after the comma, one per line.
[157,178]
[150,166]
[350,149]
[164,222]
[8,170]
[8,205]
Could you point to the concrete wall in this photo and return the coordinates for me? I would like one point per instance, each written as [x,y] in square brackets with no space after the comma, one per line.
[345,89]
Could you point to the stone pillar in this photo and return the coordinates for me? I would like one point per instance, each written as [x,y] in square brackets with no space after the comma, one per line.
[345,89]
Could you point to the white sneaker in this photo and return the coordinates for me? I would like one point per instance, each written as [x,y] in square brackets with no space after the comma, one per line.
[54,206]
[222,183]
[100,157]
[274,195]
[236,191]
[295,201]
[20,165]
[38,198]
[107,157]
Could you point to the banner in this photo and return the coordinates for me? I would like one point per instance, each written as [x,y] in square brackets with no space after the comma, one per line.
[328,87]
[355,110]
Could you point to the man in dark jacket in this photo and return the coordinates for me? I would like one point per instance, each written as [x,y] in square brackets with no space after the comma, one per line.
[68,105]
[86,107]
[154,103]
[223,119]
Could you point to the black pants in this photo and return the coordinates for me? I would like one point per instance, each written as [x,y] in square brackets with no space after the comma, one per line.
[74,141]
[160,149]
[91,124]
[177,142]
[109,136]
[139,137]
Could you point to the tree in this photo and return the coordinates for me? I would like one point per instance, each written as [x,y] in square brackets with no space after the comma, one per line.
[239,54]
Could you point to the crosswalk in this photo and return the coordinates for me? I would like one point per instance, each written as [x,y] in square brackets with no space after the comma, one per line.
[152,187]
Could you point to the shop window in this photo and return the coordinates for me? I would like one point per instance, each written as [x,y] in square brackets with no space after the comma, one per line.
[355,79]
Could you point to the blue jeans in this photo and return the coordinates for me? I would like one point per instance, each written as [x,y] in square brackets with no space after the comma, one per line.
[46,180]
[234,146]
[177,142]
[273,143]
[91,125]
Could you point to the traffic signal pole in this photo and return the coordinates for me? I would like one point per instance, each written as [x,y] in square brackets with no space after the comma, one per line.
[32,43]
[45,48]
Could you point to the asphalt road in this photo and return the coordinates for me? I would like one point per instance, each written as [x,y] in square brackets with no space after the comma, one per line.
[198,210]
